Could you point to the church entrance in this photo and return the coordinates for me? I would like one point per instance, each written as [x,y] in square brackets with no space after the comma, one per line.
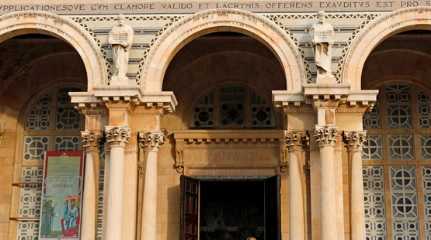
[230,209]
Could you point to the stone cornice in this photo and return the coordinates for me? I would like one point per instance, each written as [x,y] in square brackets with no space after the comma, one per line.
[133,95]
[117,135]
[90,140]
[354,139]
[151,141]
[325,135]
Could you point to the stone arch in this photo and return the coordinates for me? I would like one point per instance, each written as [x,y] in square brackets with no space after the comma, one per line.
[418,18]
[27,22]
[219,20]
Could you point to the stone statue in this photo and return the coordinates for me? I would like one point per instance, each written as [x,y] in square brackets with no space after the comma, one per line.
[323,37]
[121,39]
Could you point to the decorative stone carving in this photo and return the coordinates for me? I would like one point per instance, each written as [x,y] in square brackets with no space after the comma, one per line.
[325,135]
[354,139]
[90,140]
[179,160]
[296,139]
[121,39]
[117,135]
[151,141]
[323,38]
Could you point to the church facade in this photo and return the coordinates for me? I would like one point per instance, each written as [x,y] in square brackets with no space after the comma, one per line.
[267,120]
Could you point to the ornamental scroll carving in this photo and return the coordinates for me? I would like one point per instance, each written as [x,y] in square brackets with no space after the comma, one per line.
[151,141]
[90,140]
[325,135]
[354,139]
[117,135]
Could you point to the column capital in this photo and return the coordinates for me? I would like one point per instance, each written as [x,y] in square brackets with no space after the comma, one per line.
[151,141]
[90,139]
[325,135]
[354,139]
[296,139]
[117,135]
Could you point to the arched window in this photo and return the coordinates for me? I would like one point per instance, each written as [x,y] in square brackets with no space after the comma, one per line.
[50,123]
[232,106]
[397,164]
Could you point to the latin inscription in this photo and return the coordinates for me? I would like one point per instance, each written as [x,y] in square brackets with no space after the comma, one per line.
[191,7]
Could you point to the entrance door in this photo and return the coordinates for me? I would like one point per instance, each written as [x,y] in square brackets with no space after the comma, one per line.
[230,209]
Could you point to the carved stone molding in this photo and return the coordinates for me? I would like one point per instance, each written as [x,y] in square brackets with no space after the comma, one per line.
[325,135]
[151,141]
[354,139]
[117,135]
[90,140]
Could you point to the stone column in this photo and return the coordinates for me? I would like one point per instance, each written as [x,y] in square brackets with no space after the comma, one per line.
[150,142]
[117,137]
[326,138]
[90,143]
[295,142]
[354,141]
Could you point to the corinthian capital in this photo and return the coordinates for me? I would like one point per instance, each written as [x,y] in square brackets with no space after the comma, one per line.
[90,139]
[325,135]
[151,140]
[294,139]
[354,139]
[117,134]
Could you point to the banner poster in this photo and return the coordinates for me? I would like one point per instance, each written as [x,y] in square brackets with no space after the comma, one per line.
[61,196]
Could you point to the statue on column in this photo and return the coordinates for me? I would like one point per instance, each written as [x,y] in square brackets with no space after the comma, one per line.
[121,39]
[323,38]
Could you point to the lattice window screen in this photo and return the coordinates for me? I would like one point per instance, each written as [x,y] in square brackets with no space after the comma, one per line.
[397,157]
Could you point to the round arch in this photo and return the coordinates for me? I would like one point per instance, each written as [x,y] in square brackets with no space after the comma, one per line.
[221,20]
[402,20]
[27,22]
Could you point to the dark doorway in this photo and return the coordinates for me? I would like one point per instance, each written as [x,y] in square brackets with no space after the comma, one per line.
[227,209]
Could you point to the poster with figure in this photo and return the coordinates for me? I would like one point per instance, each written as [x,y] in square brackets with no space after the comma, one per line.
[61,196]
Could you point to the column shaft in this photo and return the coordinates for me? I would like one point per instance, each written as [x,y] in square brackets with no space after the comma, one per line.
[117,138]
[151,142]
[89,200]
[294,142]
[326,138]
[149,210]
[296,199]
[354,142]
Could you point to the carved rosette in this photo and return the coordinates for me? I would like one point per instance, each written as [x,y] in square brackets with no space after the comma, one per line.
[151,141]
[117,135]
[354,139]
[90,140]
[325,135]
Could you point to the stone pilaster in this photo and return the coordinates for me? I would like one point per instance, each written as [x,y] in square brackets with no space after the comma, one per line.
[117,137]
[90,143]
[354,141]
[295,143]
[326,138]
[150,142]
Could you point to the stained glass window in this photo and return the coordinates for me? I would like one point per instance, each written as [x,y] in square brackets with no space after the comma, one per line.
[397,173]
[233,106]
